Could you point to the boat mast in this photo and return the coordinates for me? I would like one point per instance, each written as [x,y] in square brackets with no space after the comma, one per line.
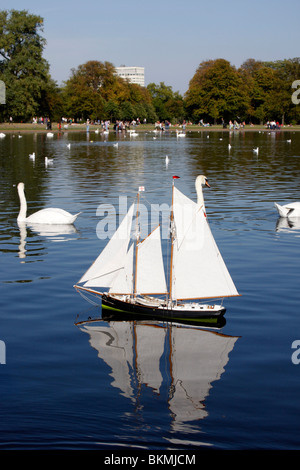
[172,240]
[137,231]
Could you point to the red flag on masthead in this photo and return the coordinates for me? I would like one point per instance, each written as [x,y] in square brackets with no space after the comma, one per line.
[175,177]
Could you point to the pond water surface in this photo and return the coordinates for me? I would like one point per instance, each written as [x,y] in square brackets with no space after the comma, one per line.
[70,382]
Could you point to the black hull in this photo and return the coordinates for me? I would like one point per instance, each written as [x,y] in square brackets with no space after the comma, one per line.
[121,307]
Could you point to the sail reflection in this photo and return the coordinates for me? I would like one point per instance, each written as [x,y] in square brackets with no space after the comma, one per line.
[184,359]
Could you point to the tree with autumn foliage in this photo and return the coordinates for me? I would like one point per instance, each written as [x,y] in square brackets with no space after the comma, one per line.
[94,91]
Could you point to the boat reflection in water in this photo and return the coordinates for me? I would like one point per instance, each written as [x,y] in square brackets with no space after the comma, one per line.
[139,352]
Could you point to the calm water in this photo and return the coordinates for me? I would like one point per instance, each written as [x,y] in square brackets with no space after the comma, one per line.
[73,383]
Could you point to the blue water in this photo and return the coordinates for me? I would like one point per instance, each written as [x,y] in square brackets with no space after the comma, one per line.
[72,383]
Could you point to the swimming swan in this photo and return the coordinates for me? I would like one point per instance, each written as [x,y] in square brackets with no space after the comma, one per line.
[180,133]
[201,180]
[43,216]
[288,210]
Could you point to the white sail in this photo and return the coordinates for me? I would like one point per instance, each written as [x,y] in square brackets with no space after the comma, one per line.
[123,282]
[150,274]
[108,264]
[198,267]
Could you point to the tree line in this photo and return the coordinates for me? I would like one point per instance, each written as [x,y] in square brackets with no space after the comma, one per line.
[218,92]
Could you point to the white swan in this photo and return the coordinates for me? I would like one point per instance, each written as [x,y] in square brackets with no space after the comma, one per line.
[288,210]
[132,133]
[180,133]
[32,156]
[201,180]
[2,135]
[43,216]
[48,161]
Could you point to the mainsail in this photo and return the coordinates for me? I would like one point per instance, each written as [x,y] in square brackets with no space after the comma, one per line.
[150,274]
[198,269]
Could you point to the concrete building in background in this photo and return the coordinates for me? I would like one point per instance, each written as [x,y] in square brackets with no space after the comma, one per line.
[132,74]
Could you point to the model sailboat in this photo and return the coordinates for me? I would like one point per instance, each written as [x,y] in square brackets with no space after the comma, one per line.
[131,278]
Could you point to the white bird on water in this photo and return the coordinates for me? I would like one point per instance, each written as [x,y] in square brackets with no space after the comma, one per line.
[116,145]
[69,146]
[180,133]
[255,150]
[43,216]
[290,210]
[133,133]
[48,161]
[32,156]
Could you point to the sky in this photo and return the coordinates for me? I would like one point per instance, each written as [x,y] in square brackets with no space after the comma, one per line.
[169,38]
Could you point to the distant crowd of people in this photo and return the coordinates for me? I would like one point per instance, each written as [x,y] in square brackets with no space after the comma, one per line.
[273,125]
[123,125]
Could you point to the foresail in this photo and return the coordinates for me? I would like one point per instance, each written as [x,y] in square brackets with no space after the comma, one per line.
[198,267]
[123,282]
[150,275]
[112,259]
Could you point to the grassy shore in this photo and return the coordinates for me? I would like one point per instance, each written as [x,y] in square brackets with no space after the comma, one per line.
[25,127]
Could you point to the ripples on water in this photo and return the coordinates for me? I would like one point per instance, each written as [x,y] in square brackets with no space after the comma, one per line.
[156,387]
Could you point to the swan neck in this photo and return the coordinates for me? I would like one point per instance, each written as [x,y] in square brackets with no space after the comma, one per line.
[23,205]
[200,199]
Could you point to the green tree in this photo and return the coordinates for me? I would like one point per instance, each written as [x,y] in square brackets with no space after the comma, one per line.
[287,71]
[167,104]
[112,110]
[127,111]
[22,67]
[216,91]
